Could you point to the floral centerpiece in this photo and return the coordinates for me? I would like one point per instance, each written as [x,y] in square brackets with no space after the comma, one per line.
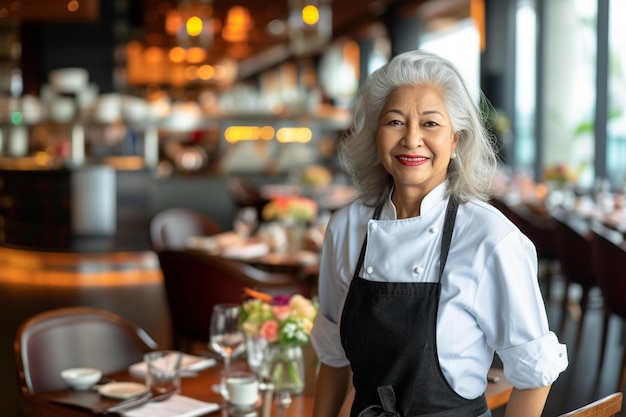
[281,325]
[316,176]
[560,174]
[290,209]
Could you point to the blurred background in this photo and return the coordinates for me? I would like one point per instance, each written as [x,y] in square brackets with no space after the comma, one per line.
[112,111]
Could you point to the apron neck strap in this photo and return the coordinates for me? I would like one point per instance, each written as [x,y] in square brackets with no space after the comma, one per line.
[448,227]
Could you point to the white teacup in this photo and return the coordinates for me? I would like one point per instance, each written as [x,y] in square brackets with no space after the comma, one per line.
[242,388]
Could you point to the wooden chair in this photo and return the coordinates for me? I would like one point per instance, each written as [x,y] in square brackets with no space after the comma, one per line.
[171,228]
[609,261]
[72,337]
[608,406]
[573,247]
[196,281]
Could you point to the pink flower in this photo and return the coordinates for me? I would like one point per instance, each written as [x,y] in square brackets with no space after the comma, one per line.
[281,312]
[269,331]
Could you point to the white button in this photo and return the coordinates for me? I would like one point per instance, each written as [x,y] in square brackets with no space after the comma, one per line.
[434,230]
[374,226]
[369,270]
[418,269]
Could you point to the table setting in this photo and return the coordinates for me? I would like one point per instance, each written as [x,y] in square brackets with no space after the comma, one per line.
[149,388]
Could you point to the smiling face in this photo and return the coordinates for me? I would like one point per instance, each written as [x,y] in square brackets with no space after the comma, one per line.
[415,139]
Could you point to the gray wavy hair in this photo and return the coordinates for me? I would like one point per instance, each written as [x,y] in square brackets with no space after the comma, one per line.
[469,174]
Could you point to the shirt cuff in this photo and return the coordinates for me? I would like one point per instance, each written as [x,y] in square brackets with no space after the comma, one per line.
[534,364]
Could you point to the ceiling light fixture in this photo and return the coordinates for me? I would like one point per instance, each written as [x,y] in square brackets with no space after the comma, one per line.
[310,25]
[191,23]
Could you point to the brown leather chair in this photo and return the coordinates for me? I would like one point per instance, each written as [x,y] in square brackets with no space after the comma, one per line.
[608,406]
[609,262]
[171,228]
[573,247]
[72,337]
[196,281]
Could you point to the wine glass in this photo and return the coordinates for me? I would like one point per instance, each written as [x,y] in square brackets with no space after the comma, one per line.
[246,221]
[227,338]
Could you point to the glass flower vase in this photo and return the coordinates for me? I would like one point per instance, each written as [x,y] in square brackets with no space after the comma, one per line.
[284,368]
[296,235]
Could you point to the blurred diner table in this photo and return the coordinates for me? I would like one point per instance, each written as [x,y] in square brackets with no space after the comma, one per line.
[199,386]
[522,196]
[263,251]
[330,197]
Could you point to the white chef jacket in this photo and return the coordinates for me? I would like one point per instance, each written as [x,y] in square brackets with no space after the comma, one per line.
[490,299]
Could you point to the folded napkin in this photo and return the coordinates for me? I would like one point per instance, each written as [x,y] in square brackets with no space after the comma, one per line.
[190,363]
[175,406]
[215,243]
[246,251]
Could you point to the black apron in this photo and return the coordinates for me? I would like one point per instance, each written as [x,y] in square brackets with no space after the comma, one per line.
[389,333]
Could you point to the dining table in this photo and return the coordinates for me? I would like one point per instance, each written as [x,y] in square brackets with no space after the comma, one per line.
[256,251]
[199,385]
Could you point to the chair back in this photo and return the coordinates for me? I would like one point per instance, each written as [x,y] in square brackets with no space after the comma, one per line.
[573,248]
[608,406]
[195,282]
[171,228]
[54,340]
[609,261]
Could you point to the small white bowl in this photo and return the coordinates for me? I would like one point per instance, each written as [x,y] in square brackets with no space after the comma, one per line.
[81,378]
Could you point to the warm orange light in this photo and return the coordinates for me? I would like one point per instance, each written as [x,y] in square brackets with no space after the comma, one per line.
[153,55]
[477,12]
[173,22]
[177,54]
[310,14]
[206,72]
[234,134]
[73,5]
[294,134]
[267,132]
[191,72]
[195,55]
[238,24]
[194,26]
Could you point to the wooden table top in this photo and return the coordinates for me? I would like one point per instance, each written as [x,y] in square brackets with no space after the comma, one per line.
[199,387]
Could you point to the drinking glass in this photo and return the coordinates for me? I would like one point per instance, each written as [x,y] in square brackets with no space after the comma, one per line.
[227,338]
[246,221]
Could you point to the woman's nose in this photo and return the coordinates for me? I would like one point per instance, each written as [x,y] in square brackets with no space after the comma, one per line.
[413,137]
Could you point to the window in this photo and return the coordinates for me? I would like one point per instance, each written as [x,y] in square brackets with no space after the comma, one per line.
[616,125]
[570,85]
[525,61]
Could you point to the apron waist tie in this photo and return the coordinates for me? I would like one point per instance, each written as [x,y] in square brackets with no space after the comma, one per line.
[388,401]
[388,407]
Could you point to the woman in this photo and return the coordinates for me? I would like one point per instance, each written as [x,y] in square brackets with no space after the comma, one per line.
[415,338]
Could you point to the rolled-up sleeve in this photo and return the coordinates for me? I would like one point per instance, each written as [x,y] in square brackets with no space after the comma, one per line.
[516,324]
[538,362]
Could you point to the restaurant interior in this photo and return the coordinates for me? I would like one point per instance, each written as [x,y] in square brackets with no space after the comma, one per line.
[146,140]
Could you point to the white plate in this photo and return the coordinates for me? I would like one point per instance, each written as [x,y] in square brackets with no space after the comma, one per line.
[122,390]
[190,363]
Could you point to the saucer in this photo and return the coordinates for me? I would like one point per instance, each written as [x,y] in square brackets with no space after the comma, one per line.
[122,390]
